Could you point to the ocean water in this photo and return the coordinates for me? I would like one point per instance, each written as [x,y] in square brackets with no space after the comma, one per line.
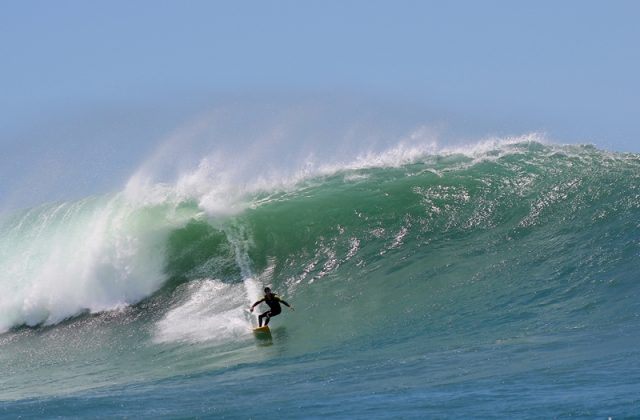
[499,281]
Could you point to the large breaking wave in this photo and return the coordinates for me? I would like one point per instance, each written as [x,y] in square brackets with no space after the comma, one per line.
[516,233]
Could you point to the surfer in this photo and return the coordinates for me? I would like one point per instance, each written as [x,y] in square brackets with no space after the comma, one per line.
[274,302]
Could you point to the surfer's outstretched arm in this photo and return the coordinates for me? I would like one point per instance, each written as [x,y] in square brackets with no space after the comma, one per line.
[257,303]
[287,305]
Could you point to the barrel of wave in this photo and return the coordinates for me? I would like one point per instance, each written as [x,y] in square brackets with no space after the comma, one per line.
[96,254]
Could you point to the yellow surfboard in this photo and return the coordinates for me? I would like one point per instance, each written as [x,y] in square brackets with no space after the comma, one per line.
[262,330]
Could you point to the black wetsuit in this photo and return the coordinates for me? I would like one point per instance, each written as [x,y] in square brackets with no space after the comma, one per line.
[273,301]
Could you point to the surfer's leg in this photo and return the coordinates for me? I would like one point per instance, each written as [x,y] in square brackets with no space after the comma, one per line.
[270,314]
[264,315]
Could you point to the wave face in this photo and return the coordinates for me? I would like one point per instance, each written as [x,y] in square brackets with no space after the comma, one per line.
[521,247]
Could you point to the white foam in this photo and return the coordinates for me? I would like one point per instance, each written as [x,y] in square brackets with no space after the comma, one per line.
[213,311]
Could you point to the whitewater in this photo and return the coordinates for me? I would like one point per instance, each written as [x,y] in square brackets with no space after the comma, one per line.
[494,280]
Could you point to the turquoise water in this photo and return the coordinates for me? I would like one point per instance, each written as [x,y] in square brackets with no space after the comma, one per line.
[500,282]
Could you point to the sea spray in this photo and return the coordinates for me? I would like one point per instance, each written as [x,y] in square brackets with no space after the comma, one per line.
[211,311]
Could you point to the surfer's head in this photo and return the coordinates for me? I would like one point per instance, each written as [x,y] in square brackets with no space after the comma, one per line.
[267,290]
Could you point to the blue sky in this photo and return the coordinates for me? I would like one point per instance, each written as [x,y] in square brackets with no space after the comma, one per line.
[77,74]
